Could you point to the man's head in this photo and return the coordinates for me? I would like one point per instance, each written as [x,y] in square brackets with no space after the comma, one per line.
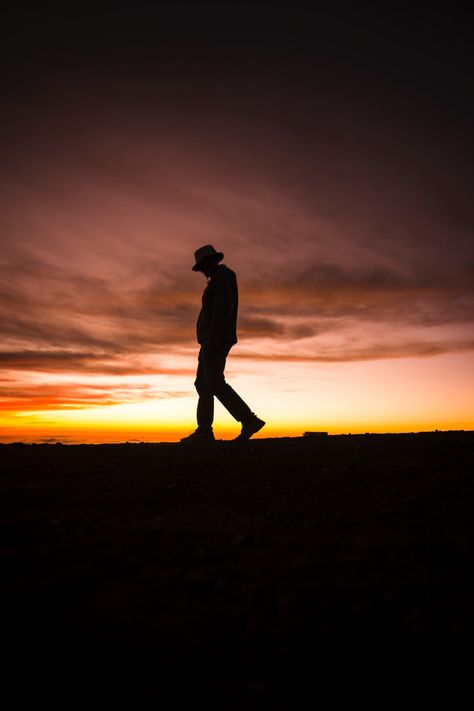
[207,260]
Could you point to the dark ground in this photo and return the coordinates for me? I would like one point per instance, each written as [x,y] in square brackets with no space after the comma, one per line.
[281,574]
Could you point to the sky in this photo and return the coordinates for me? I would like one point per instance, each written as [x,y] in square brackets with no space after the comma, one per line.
[328,154]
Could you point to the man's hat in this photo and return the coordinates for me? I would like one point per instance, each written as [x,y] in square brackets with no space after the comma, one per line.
[203,252]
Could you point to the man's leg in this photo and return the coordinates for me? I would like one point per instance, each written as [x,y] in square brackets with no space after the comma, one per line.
[205,406]
[205,410]
[213,364]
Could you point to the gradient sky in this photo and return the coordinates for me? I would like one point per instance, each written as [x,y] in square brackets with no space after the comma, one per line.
[328,154]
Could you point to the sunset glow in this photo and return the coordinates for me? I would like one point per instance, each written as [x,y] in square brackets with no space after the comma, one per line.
[344,213]
[391,395]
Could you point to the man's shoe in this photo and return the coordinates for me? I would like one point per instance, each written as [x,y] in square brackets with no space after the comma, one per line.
[249,428]
[199,437]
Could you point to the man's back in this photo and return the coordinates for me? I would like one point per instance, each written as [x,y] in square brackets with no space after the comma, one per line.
[217,321]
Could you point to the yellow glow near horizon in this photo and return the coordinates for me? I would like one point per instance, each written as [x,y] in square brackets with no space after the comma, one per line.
[371,396]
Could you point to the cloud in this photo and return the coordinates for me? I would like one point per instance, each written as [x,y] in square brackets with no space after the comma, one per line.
[325,354]
[53,361]
[17,395]
[57,320]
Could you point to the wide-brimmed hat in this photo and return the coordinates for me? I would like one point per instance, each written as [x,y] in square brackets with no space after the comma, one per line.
[203,252]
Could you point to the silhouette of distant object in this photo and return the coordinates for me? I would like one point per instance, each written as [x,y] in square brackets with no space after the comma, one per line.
[315,434]
[216,332]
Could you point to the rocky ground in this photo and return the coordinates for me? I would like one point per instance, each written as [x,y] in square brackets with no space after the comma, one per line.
[280,574]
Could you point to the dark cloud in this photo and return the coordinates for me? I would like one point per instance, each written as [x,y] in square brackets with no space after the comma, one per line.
[379,296]
[77,396]
[46,360]
[53,361]
[60,320]
[257,327]
[367,353]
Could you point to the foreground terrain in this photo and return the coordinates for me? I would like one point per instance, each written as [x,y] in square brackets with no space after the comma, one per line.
[279,574]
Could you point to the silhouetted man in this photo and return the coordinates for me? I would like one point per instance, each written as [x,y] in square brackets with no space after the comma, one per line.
[216,331]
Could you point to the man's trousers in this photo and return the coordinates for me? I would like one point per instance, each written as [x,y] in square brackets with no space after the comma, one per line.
[210,383]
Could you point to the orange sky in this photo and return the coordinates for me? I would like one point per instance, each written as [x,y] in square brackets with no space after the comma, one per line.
[336,185]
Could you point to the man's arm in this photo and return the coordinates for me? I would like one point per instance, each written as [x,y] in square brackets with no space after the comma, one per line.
[224,297]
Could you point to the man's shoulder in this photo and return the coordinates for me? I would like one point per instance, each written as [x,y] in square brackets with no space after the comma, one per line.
[224,273]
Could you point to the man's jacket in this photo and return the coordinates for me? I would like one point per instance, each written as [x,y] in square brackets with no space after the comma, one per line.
[217,321]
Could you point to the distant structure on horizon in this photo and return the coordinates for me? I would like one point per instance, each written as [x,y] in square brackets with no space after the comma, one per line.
[315,434]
